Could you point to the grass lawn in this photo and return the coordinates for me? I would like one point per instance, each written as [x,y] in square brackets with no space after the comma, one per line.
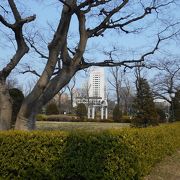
[167,169]
[69,126]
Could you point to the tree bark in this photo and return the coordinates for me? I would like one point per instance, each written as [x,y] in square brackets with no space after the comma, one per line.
[5,107]
[22,49]
[49,85]
[26,118]
[27,115]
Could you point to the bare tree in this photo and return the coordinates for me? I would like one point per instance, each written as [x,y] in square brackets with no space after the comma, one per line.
[85,90]
[127,96]
[140,77]
[121,85]
[116,82]
[63,62]
[167,80]
[21,49]
[70,88]
[60,93]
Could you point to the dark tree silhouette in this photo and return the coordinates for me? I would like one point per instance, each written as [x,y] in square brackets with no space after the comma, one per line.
[145,108]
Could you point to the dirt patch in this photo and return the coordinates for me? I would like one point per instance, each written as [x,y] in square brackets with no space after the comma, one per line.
[168,169]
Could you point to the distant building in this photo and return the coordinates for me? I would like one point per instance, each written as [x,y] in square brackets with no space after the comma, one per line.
[97,86]
[95,94]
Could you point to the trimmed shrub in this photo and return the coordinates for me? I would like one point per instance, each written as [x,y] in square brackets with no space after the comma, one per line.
[114,154]
[81,111]
[17,99]
[117,114]
[126,119]
[41,117]
[52,109]
[56,118]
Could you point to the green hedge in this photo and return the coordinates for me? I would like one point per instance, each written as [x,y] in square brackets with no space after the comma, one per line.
[114,154]
[56,118]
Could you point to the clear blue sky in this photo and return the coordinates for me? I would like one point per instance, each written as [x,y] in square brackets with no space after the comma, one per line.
[129,45]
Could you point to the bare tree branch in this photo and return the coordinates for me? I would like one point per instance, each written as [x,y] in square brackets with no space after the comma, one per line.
[65,3]
[3,21]
[31,42]
[22,47]
[4,9]
[29,70]
[111,15]
[133,63]
[166,81]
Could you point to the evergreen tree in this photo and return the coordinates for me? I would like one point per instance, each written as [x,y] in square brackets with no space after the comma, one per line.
[52,109]
[81,111]
[144,106]
[161,115]
[176,106]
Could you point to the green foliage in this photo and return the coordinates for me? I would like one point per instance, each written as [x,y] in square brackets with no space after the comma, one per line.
[81,111]
[41,117]
[143,104]
[114,154]
[126,119]
[117,114]
[52,109]
[57,118]
[161,115]
[176,104]
[17,98]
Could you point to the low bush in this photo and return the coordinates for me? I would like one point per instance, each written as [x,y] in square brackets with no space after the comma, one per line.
[114,154]
[126,119]
[41,117]
[100,120]
[56,118]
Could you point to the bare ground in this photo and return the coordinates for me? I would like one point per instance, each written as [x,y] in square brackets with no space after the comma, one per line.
[168,169]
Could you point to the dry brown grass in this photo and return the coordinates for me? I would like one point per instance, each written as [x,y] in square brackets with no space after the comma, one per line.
[87,126]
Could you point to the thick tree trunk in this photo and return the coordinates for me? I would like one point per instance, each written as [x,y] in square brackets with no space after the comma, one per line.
[5,107]
[26,118]
[32,104]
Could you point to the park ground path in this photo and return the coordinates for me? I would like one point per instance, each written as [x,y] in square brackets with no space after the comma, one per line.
[167,169]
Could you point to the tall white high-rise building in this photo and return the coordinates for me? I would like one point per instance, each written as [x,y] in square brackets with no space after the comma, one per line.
[97,83]
[96,94]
